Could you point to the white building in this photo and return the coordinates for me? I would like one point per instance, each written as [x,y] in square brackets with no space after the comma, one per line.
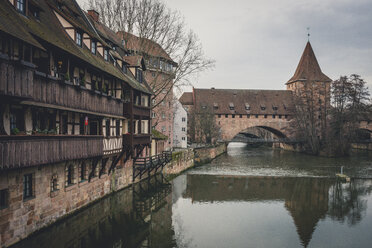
[180,126]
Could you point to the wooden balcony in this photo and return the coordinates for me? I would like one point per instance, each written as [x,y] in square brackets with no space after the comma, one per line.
[18,79]
[136,139]
[27,150]
[136,109]
[112,145]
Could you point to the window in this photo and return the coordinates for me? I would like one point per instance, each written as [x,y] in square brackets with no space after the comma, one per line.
[70,175]
[163,129]
[105,54]
[27,186]
[219,116]
[248,116]
[233,116]
[275,108]
[78,38]
[226,116]
[231,106]
[124,68]
[153,115]
[108,128]
[183,119]
[280,116]
[117,127]
[256,116]
[139,75]
[265,116]
[21,6]
[17,122]
[83,172]
[285,116]
[94,47]
[163,115]
[183,138]
[153,74]
[54,183]
[273,116]
[4,198]
[263,107]
[240,116]
[169,117]
[184,129]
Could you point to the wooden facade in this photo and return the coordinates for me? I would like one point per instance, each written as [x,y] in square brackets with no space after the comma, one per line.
[27,150]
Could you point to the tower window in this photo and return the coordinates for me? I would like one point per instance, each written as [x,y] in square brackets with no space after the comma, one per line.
[105,54]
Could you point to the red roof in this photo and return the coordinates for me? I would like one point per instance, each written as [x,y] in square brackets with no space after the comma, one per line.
[308,68]
[143,45]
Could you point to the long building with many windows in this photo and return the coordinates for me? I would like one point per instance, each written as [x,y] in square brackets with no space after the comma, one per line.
[72,111]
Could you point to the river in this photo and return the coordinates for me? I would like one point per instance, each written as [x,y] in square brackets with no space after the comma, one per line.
[249,197]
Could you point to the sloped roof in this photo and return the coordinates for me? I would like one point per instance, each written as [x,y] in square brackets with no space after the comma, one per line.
[240,98]
[106,32]
[47,29]
[186,98]
[308,68]
[11,24]
[136,61]
[144,45]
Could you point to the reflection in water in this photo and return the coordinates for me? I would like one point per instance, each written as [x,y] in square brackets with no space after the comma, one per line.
[247,198]
[139,216]
[307,200]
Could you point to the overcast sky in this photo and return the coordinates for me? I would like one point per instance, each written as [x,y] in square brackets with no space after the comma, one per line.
[257,44]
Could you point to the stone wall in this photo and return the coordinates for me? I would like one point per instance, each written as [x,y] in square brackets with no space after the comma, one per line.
[206,154]
[24,216]
[181,161]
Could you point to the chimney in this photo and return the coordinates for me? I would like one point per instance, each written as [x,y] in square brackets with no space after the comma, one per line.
[94,14]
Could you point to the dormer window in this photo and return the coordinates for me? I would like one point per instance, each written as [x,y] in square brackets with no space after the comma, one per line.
[263,107]
[21,6]
[231,106]
[124,68]
[94,47]
[215,105]
[275,107]
[247,107]
[139,75]
[106,54]
[79,38]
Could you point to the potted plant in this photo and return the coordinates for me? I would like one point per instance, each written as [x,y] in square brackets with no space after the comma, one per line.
[15,131]
[82,82]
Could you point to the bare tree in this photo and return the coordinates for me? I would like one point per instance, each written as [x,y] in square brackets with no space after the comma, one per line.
[152,21]
[202,126]
[350,104]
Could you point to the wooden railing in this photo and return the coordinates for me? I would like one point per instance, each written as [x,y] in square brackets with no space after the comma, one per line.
[149,164]
[19,79]
[16,78]
[112,145]
[60,93]
[136,109]
[27,150]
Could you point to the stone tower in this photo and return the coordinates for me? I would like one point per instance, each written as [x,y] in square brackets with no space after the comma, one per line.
[311,88]
[309,77]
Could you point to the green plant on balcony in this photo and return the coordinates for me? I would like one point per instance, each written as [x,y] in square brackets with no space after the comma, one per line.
[52,131]
[67,77]
[15,131]
[104,89]
[82,82]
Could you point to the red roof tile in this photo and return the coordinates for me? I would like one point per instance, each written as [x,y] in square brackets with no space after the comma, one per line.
[308,68]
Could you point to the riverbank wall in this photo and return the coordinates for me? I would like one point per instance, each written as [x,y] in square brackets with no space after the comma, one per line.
[205,155]
[54,195]
[362,146]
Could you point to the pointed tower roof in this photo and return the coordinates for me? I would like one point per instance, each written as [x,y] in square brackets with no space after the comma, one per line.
[308,68]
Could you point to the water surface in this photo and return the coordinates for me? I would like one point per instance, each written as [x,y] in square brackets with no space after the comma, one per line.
[249,197]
